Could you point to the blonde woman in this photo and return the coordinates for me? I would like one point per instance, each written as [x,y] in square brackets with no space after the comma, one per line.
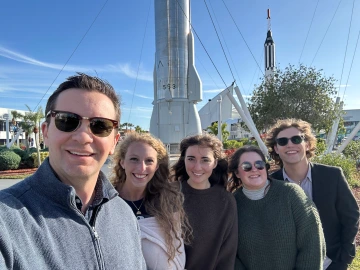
[141,176]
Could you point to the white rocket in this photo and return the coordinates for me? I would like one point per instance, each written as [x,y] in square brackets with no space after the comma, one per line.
[177,85]
[269,50]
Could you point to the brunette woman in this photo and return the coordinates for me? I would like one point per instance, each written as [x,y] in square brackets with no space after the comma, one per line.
[211,209]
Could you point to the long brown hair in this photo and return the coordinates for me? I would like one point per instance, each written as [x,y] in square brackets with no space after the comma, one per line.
[163,199]
[219,175]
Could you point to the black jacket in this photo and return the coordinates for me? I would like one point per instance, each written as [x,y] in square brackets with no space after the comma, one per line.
[338,210]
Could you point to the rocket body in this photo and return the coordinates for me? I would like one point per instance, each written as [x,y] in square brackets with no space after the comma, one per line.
[177,85]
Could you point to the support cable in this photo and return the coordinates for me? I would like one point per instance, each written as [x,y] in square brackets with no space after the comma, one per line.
[352,61]
[347,42]
[307,35]
[325,33]
[243,38]
[231,58]
[77,46]
[217,34]
[137,72]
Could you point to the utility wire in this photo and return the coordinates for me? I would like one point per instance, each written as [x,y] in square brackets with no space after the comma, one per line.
[212,21]
[347,42]
[307,35]
[137,72]
[352,61]
[231,58]
[326,32]
[193,29]
[77,46]
[243,38]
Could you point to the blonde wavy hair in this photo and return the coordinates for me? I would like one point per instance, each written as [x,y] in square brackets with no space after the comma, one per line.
[162,198]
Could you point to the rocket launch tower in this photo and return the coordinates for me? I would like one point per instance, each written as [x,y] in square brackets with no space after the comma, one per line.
[177,85]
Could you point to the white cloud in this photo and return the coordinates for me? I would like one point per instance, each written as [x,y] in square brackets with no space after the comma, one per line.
[137,95]
[123,68]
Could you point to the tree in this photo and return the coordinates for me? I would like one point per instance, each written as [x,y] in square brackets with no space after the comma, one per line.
[138,129]
[303,93]
[30,124]
[213,129]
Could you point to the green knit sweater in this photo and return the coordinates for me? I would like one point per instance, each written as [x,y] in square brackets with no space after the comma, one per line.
[280,231]
[212,215]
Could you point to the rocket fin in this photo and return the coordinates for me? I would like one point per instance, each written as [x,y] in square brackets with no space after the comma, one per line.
[193,81]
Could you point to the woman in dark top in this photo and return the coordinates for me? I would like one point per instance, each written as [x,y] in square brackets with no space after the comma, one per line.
[211,209]
[142,180]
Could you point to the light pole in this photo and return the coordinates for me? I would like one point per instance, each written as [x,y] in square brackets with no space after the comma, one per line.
[219,122]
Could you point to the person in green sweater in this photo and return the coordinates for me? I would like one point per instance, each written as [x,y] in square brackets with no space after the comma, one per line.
[279,226]
[211,209]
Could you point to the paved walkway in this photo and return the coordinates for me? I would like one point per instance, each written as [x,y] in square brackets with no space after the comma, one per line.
[4,183]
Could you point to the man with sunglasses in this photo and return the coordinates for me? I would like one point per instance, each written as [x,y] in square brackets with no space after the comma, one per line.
[68,215]
[291,144]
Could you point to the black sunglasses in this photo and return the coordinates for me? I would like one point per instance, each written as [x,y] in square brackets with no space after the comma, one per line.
[247,166]
[69,122]
[297,139]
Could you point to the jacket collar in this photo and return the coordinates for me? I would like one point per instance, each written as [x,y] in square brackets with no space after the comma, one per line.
[45,182]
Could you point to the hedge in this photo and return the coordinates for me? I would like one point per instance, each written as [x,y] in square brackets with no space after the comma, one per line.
[9,160]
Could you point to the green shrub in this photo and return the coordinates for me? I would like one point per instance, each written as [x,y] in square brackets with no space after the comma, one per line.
[21,153]
[232,144]
[9,160]
[348,166]
[352,150]
[320,147]
[43,156]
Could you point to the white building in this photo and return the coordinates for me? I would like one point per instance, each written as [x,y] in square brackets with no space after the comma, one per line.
[5,113]
[351,119]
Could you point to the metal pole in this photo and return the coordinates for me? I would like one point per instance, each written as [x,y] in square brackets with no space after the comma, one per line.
[350,137]
[7,128]
[219,122]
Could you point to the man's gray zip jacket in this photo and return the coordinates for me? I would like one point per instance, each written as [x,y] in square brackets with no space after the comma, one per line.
[41,228]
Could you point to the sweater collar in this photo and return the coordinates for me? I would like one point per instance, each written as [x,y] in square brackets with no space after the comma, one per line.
[45,181]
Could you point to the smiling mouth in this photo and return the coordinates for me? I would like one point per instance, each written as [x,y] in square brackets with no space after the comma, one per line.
[140,176]
[198,174]
[254,176]
[291,152]
[80,154]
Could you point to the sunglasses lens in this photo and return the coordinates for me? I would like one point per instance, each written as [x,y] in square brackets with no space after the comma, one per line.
[260,165]
[296,139]
[282,141]
[101,127]
[246,166]
[66,122]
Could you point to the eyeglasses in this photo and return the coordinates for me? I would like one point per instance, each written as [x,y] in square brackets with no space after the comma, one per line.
[247,166]
[297,139]
[69,122]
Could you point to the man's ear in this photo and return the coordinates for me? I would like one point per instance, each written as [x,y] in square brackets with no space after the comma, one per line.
[44,130]
[116,138]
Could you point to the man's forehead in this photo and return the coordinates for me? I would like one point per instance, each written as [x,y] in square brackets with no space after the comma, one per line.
[289,131]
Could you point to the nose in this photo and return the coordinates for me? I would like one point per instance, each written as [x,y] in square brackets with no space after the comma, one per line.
[83,133]
[142,165]
[197,165]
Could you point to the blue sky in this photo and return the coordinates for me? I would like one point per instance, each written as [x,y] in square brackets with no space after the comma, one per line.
[38,37]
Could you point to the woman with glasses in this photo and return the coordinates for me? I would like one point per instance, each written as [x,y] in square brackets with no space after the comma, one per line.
[211,209]
[141,176]
[279,227]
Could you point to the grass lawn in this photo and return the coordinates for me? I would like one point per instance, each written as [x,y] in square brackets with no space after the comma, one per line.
[356,262]
[15,176]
